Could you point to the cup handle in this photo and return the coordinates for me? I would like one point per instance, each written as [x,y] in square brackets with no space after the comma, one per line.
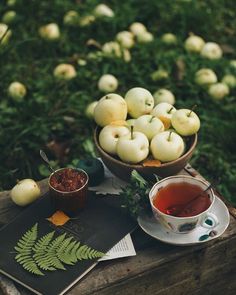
[210,221]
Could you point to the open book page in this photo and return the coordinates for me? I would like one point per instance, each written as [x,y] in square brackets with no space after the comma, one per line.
[124,248]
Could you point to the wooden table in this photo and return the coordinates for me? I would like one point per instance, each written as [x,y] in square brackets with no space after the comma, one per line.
[158,268]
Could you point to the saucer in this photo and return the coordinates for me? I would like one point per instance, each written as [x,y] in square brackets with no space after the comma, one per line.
[199,235]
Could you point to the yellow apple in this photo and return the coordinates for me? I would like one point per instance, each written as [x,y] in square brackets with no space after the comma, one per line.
[111,107]
[139,101]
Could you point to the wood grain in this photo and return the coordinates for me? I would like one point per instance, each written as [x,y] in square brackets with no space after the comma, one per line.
[158,268]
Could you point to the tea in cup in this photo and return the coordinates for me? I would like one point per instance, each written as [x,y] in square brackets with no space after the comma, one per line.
[180,203]
[68,189]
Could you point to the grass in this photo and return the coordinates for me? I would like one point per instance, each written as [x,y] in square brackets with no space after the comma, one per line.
[51,116]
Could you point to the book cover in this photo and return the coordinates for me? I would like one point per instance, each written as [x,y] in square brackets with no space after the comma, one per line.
[100,226]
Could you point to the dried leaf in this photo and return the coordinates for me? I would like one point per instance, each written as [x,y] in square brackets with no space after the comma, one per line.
[166,122]
[59,218]
[152,163]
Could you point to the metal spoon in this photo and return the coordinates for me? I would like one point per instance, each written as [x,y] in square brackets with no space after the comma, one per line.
[176,209]
[45,158]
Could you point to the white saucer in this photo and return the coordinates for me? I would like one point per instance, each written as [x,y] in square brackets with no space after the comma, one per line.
[199,235]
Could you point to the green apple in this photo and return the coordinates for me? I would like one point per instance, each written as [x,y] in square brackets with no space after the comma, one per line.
[218,91]
[133,147]
[185,122]
[211,50]
[86,20]
[126,39]
[5,34]
[194,43]
[167,146]
[111,107]
[145,37]
[25,192]
[139,102]
[89,112]
[64,72]
[164,112]
[229,80]
[50,32]
[71,18]
[102,10]
[9,17]
[169,39]
[111,49]
[205,77]
[107,83]
[109,136]
[149,125]
[163,95]
[137,28]
[17,91]
[160,75]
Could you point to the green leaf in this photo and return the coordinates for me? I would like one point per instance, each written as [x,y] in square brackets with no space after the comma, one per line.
[50,254]
[24,249]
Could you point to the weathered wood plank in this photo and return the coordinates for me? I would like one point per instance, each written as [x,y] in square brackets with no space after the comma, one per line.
[196,270]
[188,269]
[8,210]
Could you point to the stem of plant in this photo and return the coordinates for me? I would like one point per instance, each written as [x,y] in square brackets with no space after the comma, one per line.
[169,136]
[151,119]
[192,109]
[170,110]
[132,132]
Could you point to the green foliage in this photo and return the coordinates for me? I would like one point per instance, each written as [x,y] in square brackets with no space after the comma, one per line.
[42,117]
[50,254]
[135,195]
[24,249]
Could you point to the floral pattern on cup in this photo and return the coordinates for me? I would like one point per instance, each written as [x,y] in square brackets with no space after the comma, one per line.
[187,227]
[183,225]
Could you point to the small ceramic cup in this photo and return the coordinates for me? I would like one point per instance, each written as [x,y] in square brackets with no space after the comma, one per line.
[69,201]
[183,224]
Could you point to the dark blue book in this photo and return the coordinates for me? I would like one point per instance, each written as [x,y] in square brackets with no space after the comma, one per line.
[100,225]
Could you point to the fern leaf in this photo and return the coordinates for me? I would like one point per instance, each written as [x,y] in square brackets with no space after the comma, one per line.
[27,241]
[64,252]
[40,250]
[73,252]
[85,252]
[24,249]
[51,256]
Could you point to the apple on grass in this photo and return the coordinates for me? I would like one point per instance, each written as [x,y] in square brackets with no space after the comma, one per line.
[149,125]
[109,136]
[139,102]
[164,112]
[111,107]
[133,147]
[167,146]
[185,122]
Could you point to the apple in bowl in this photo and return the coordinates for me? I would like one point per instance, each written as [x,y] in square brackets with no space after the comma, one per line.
[123,170]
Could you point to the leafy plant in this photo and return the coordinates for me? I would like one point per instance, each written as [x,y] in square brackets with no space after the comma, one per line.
[135,195]
[50,254]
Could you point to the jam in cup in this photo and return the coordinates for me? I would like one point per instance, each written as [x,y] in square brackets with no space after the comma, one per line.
[68,189]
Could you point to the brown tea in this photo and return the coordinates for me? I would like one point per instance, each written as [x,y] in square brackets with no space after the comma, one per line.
[182,200]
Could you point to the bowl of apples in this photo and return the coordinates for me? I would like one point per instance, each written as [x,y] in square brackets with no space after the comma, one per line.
[134,133]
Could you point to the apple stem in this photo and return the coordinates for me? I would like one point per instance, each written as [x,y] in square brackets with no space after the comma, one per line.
[170,110]
[169,136]
[106,97]
[132,132]
[151,119]
[192,109]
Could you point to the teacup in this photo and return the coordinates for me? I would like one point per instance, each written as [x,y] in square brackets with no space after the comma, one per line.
[173,203]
